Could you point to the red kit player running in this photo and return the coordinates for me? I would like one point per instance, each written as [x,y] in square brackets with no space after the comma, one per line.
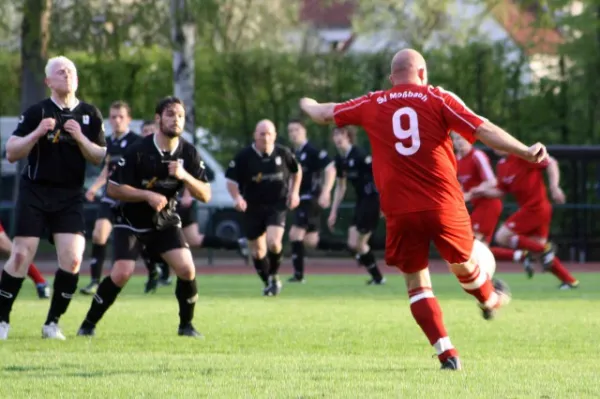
[415,172]
[475,173]
[526,231]
[41,285]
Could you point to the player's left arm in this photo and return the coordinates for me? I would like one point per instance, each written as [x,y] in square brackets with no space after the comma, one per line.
[553,172]
[93,148]
[295,179]
[193,175]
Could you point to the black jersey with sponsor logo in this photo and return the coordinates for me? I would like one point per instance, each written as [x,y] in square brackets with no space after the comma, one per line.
[263,179]
[313,162]
[56,159]
[145,166]
[356,168]
[115,150]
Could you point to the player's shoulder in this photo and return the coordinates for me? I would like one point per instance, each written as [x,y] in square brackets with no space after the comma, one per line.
[245,152]
[188,148]
[282,150]
[87,108]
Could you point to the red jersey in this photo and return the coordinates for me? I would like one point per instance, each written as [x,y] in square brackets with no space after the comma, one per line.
[413,160]
[524,180]
[474,168]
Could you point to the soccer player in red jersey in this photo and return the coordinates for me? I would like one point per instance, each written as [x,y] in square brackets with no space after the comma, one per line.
[415,172]
[526,231]
[41,285]
[475,173]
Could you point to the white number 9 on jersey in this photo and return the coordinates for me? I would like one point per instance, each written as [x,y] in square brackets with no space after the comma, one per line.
[412,132]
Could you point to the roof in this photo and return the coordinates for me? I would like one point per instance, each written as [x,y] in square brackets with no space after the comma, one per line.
[328,13]
[519,22]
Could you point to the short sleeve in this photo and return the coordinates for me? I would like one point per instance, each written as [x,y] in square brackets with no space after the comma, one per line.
[195,167]
[339,168]
[97,129]
[483,165]
[125,171]
[459,117]
[323,159]
[351,112]
[29,121]
[233,171]
[290,161]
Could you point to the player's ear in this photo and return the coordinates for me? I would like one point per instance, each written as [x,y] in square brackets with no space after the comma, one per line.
[391,79]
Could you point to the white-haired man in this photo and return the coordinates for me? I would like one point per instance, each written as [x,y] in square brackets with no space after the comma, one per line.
[57,136]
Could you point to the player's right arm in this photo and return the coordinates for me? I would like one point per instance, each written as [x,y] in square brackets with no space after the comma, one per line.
[99,182]
[125,176]
[30,129]
[343,114]
[472,126]
[234,175]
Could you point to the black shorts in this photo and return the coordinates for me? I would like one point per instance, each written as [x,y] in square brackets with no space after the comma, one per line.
[256,220]
[44,209]
[366,214]
[128,244]
[106,211]
[187,215]
[308,215]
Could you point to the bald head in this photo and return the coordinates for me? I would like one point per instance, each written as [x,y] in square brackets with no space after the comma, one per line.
[408,67]
[264,136]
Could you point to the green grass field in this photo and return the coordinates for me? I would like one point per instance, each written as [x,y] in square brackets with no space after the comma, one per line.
[330,338]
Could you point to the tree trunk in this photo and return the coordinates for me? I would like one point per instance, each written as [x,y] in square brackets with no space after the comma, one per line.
[183,36]
[35,35]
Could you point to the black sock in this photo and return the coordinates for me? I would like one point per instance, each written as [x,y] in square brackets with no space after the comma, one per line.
[104,298]
[65,284]
[274,262]
[261,266]
[186,292]
[97,263]
[150,265]
[298,258]
[326,244]
[368,261]
[9,289]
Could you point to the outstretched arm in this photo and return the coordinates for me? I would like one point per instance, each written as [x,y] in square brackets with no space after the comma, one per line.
[320,113]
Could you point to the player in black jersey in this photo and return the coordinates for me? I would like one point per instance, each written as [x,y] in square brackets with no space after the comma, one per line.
[318,177]
[117,144]
[147,181]
[57,135]
[353,164]
[264,181]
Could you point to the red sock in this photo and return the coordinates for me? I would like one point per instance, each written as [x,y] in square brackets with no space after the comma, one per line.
[480,286]
[561,272]
[503,253]
[529,244]
[428,315]
[35,275]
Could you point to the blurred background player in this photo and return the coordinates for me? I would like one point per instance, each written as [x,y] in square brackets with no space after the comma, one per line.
[353,164]
[318,177]
[264,181]
[41,285]
[117,144]
[526,231]
[475,172]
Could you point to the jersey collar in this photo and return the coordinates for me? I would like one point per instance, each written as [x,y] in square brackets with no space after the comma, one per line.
[161,151]
[72,107]
[260,154]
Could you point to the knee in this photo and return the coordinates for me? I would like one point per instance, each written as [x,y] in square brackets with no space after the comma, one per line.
[462,269]
[22,255]
[69,260]
[502,237]
[186,272]
[296,234]
[311,240]
[98,235]
[122,272]
[274,245]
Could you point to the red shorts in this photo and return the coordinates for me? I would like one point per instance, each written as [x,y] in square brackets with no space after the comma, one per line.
[1,228]
[485,216]
[531,222]
[408,237]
